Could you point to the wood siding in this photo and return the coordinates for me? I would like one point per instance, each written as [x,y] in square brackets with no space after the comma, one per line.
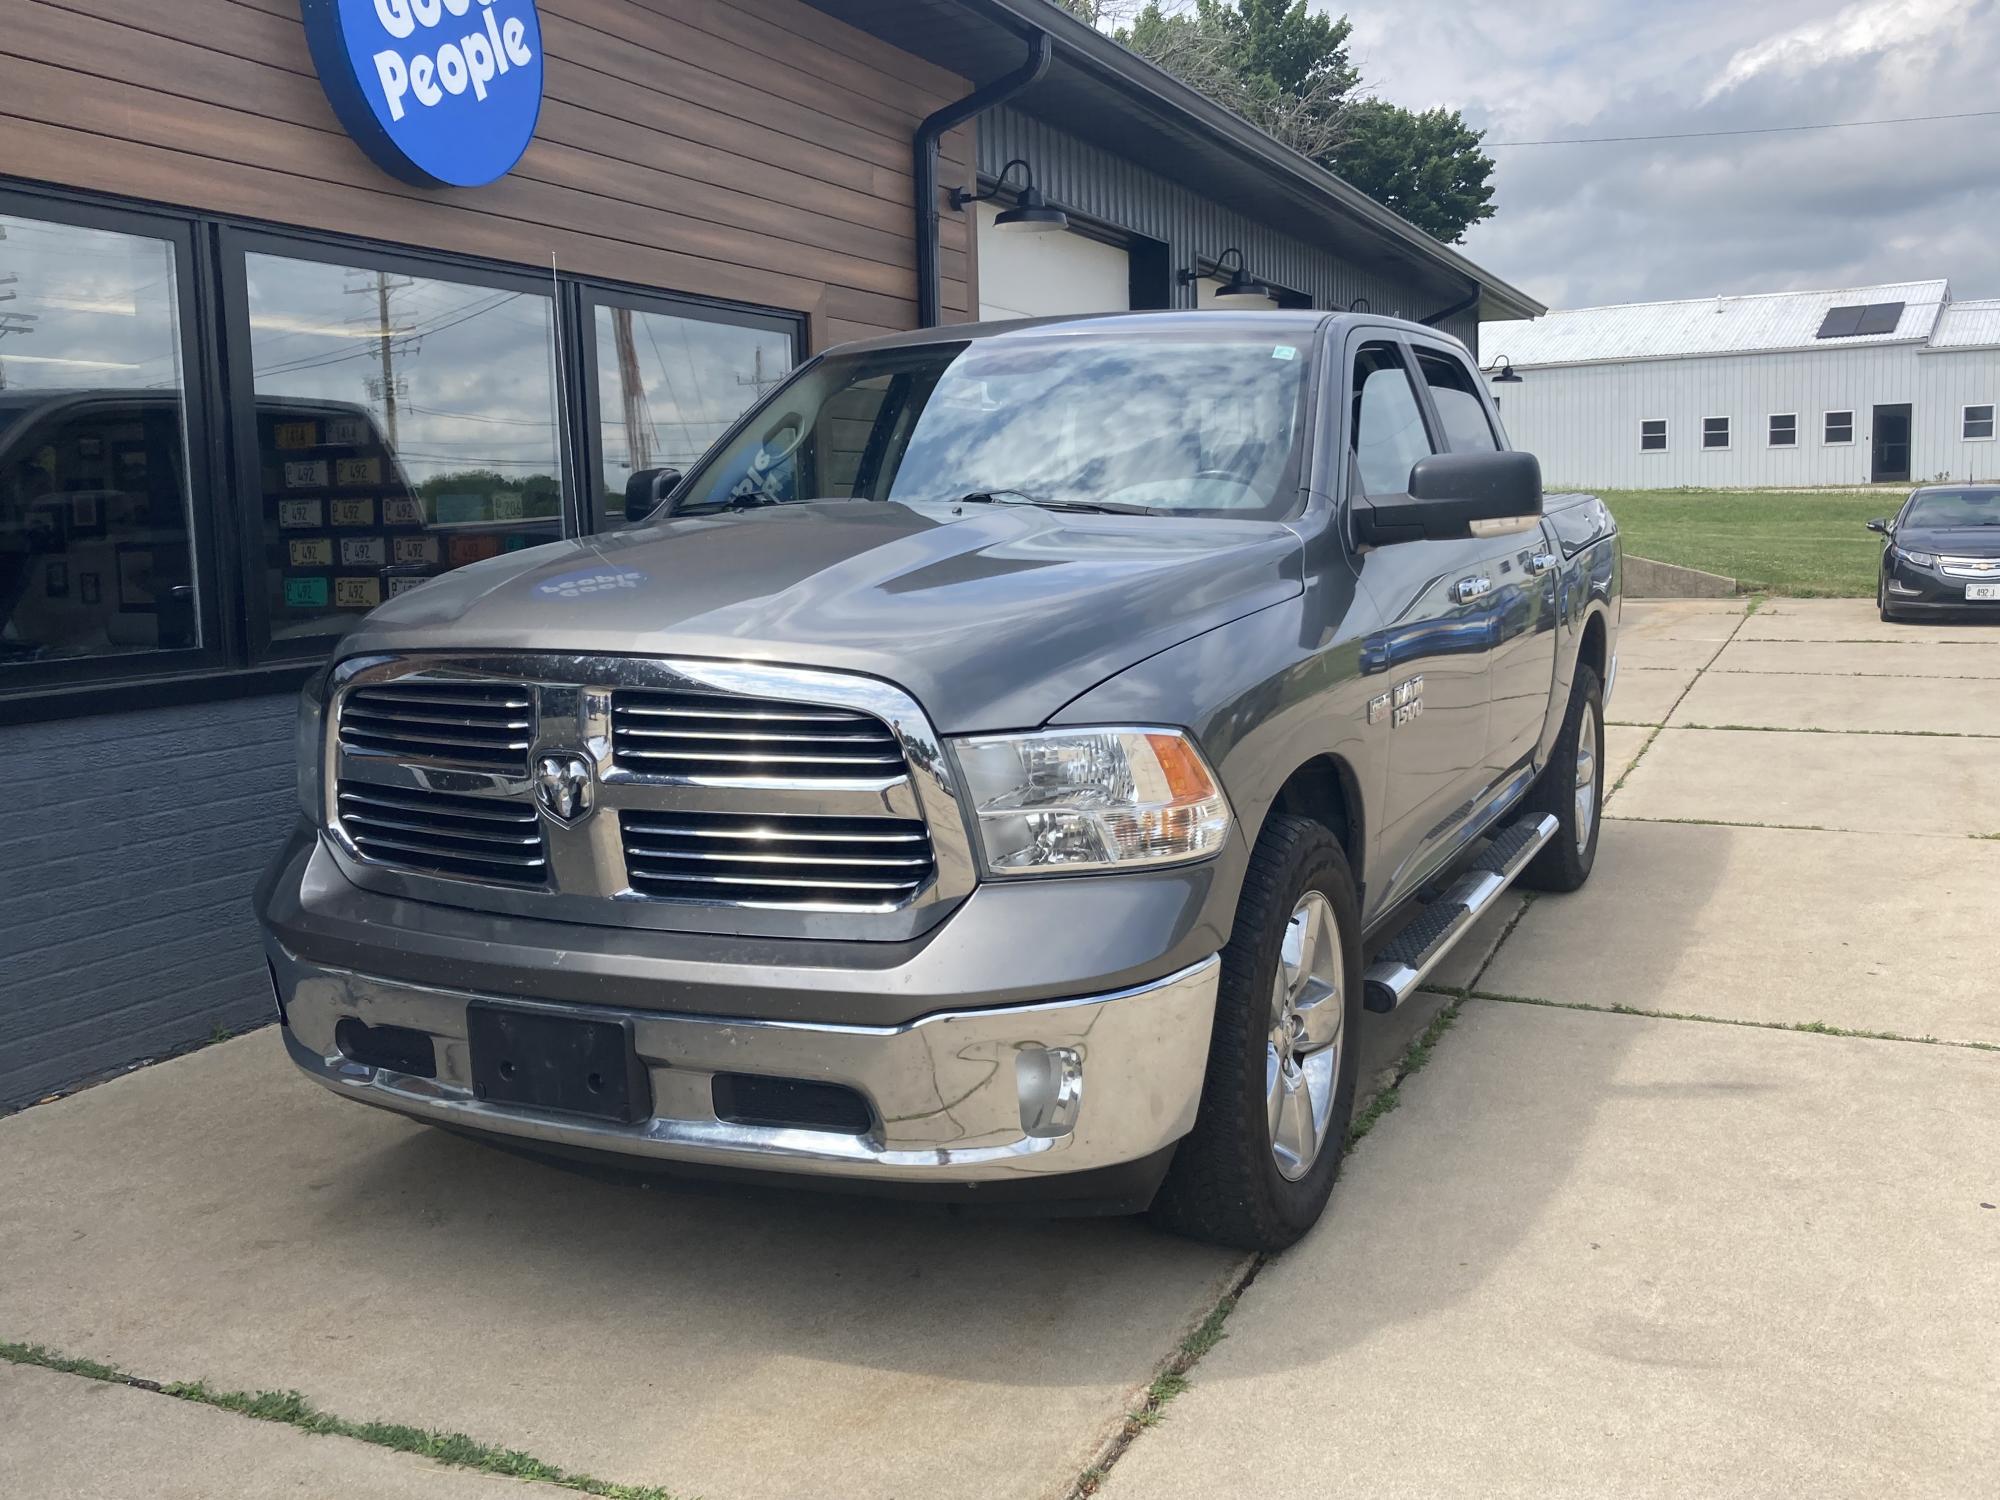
[753,150]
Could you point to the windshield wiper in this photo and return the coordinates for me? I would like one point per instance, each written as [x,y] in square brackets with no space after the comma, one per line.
[1096,507]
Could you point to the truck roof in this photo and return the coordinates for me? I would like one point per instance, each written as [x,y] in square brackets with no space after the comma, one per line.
[1298,323]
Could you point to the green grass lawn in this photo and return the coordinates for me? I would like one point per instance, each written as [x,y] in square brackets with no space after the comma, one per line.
[1811,544]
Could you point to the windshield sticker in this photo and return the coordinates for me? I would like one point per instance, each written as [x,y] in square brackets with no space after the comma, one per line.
[1284,351]
[590,581]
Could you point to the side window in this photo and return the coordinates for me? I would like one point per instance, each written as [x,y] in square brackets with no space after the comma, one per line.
[1456,398]
[1389,435]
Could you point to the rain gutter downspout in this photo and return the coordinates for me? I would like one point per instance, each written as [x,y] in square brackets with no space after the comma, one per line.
[1464,304]
[925,145]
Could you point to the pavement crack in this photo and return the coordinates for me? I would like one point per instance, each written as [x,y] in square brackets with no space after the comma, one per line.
[1809,1028]
[290,1408]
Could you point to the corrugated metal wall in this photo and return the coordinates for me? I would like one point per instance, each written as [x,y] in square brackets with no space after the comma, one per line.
[1583,420]
[1089,180]
[1947,383]
[129,853]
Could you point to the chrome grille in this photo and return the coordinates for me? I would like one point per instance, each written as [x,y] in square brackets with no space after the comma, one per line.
[708,736]
[484,724]
[670,794]
[488,839]
[1985,569]
[775,859]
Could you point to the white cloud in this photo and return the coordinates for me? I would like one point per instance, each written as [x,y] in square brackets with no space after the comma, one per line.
[1610,223]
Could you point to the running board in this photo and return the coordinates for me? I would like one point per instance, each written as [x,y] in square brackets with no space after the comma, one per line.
[1408,958]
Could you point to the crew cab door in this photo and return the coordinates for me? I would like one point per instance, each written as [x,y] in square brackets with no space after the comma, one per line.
[1517,570]
[1428,659]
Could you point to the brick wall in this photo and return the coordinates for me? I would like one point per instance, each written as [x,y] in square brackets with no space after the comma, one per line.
[129,844]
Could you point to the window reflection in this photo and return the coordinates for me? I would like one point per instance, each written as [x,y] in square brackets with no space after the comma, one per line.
[95,557]
[668,387]
[405,426]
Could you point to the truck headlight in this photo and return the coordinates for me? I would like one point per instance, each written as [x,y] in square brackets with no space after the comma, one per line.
[309,748]
[1068,801]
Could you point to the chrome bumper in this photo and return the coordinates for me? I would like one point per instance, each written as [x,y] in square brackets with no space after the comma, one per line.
[959,1096]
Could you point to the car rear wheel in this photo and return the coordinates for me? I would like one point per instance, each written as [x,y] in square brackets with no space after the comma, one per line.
[1572,789]
[1256,1170]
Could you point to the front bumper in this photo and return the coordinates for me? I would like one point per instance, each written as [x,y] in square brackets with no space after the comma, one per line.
[1914,588]
[963,1096]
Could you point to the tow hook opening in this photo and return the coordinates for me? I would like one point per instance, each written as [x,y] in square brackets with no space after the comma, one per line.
[398,1049]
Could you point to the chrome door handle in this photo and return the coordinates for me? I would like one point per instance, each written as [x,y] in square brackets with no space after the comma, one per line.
[1541,562]
[1470,589]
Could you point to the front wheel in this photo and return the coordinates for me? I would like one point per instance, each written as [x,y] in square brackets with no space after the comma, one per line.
[1882,599]
[1572,789]
[1256,1169]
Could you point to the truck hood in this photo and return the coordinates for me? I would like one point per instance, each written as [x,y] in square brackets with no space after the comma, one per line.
[993,616]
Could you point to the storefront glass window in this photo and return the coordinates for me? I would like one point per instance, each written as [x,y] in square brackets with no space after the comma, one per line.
[405,426]
[669,386]
[95,552]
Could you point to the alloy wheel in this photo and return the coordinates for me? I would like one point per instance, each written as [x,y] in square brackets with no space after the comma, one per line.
[1302,1052]
[1586,775]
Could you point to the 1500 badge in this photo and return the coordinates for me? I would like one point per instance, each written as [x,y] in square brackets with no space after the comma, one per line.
[1400,704]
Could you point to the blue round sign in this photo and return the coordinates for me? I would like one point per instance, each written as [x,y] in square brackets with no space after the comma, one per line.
[440,93]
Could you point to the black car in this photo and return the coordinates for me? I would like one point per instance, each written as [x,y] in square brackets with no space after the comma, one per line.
[1942,554]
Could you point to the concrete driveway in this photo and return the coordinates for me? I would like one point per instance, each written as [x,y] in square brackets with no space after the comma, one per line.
[1724,1245]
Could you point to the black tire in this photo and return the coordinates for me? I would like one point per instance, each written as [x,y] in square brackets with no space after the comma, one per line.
[1225,1185]
[1889,616]
[1565,861]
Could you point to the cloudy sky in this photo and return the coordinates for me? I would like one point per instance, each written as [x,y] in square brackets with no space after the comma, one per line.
[1581,225]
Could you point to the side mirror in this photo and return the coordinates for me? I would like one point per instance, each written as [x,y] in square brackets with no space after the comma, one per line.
[1454,495]
[646,490]
[1881,524]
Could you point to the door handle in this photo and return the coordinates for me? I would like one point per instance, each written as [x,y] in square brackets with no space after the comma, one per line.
[1470,589]
[1541,562]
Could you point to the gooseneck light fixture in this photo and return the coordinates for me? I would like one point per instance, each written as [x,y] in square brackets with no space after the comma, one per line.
[1505,375]
[1031,213]
[1242,292]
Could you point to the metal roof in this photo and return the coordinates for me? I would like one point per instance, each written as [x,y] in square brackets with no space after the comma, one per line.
[1763,323]
[1109,94]
[1973,324]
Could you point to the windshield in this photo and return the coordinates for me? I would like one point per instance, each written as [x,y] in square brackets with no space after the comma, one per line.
[1954,508]
[1192,424]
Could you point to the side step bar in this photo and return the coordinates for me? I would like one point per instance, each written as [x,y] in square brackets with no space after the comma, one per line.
[1408,958]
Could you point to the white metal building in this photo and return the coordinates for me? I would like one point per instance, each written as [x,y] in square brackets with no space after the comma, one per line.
[1864,384]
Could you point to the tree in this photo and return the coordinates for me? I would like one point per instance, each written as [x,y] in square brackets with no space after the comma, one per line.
[1286,70]
[1427,167]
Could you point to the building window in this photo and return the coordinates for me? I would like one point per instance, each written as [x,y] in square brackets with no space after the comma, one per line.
[670,382]
[405,425]
[1839,427]
[1653,435]
[1459,407]
[97,543]
[1715,432]
[1785,430]
[1977,424]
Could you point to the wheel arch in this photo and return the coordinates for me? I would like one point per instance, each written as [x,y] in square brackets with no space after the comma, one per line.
[1326,790]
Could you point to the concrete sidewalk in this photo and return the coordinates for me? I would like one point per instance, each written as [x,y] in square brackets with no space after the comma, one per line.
[1600,1254]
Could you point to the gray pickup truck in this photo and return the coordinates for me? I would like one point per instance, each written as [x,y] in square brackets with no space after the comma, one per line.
[1004,768]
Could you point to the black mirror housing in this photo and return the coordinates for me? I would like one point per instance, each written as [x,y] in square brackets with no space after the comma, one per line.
[646,489]
[1448,493]
[1881,524]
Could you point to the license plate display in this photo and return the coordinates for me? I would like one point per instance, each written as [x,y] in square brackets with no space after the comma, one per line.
[1982,591]
[582,1067]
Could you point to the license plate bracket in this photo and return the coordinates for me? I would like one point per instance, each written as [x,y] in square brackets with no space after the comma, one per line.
[573,1064]
[1982,591]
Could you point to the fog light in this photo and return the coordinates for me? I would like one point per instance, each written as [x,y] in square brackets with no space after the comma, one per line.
[1050,1080]
[1897,586]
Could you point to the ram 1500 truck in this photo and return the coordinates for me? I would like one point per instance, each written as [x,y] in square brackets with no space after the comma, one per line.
[1006,766]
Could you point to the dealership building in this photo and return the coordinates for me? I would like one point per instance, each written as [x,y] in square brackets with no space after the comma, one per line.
[303,302]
